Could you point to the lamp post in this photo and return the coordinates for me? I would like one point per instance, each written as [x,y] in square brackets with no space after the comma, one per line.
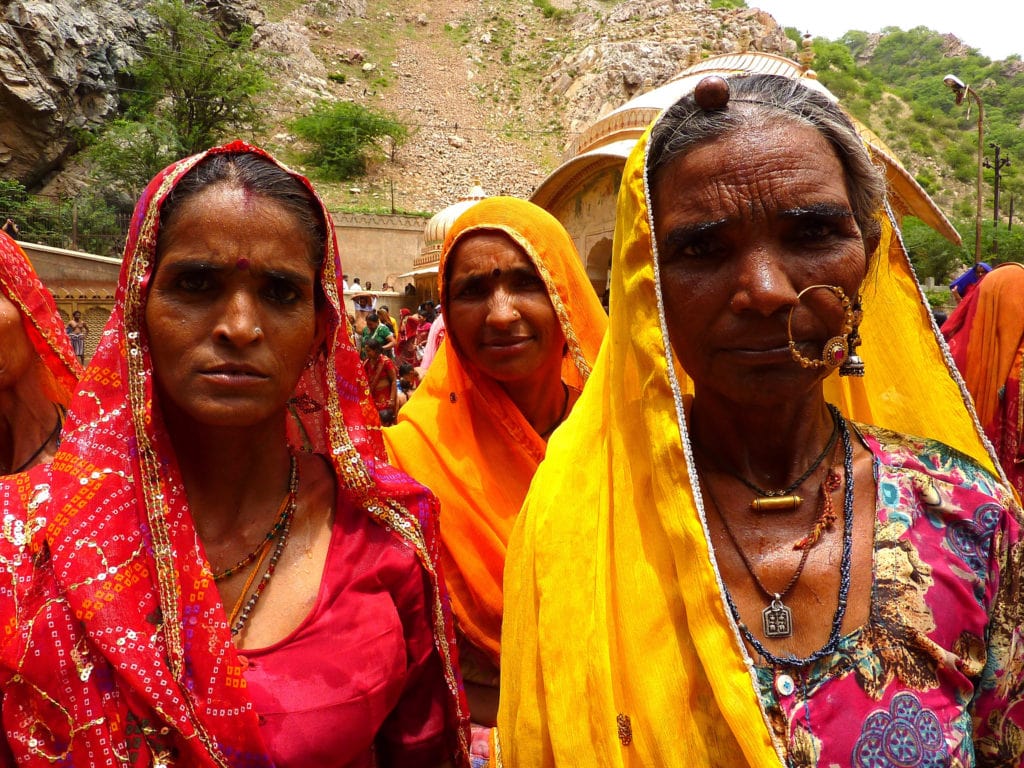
[961,89]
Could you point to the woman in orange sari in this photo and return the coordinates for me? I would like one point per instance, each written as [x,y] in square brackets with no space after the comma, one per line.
[524,326]
[986,338]
[38,368]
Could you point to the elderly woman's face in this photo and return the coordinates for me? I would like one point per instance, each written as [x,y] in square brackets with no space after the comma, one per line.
[16,352]
[498,312]
[742,225]
[231,314]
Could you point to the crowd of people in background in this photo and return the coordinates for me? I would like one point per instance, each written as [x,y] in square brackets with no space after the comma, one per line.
[762,512]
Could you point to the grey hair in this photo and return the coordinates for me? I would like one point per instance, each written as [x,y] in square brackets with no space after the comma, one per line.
[757,98]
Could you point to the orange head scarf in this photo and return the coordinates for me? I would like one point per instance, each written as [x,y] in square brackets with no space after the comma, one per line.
[461,435]
[985,334]
[40,319]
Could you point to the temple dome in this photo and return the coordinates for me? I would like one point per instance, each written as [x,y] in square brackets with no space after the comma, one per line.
[437,228]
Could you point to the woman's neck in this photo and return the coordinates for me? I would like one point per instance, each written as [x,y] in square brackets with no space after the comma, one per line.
[233,477]
[27,426]
[541,399]
[763,445]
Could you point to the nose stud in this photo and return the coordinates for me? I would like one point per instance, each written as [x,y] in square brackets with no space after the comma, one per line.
[257,331]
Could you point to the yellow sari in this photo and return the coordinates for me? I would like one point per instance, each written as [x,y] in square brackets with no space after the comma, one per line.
[619,649]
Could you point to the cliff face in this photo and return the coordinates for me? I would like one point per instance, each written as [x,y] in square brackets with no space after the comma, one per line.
[493,90]
[61,62]
[58,73]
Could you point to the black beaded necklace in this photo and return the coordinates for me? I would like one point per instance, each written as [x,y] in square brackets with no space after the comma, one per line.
[49,438]
[561,417]
[782,499]
[845,568]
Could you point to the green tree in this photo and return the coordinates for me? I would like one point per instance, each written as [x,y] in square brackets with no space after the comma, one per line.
[84,221]
[931,254]
[192,88]
[203,84]
[343,137]
[129,154]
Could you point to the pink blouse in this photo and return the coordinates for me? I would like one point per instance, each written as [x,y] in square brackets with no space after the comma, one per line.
[359,682]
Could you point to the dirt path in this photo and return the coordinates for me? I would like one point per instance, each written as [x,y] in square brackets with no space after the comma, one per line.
[464,127]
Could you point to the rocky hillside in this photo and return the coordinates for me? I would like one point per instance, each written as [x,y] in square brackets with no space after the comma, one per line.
[492,90]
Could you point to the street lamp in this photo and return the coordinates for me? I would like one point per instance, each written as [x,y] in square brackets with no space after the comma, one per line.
[961,89]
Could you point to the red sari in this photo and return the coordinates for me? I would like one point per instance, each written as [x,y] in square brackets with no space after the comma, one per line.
[380,375]
[115,647]
[408,347]
[39,317]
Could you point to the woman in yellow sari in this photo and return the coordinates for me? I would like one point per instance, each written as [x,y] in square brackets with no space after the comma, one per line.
[524,326]
[719,563]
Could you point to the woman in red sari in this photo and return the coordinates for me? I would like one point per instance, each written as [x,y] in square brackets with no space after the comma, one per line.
[408,350]
[381,377]
[218,568]
[38,368]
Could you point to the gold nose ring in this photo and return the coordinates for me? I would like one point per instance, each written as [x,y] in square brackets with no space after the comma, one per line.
[835,349]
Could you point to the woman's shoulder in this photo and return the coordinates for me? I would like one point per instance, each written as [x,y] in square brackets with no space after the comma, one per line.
[940,462]
[375,536]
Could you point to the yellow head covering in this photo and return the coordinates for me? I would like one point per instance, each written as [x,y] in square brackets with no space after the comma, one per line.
[619,648]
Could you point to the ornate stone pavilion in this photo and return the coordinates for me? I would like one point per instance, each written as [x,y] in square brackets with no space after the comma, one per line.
[581,193]
[424,271]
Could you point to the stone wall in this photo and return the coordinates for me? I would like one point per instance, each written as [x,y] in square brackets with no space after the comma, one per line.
[377,248]
[79,282]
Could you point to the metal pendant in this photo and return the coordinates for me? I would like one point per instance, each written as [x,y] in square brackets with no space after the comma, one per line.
[777,619]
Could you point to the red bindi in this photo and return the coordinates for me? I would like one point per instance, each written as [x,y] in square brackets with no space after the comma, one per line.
[242,264]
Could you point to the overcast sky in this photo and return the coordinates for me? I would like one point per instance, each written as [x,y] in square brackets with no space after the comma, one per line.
[994,27]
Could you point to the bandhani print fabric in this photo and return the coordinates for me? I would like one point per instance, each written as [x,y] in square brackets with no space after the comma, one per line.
[917,686]
[114,645]
[20,284]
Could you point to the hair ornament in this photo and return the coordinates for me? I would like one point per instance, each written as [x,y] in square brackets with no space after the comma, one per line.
[712,93]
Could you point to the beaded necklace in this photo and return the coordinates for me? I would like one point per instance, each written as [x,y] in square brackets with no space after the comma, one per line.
[282,515]
[783,499]
[844,570]
[243,608]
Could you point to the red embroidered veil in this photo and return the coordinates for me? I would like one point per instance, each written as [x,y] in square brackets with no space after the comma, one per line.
[114,645]
[39,317]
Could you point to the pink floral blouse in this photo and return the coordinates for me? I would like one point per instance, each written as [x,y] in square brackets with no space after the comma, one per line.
[936,676]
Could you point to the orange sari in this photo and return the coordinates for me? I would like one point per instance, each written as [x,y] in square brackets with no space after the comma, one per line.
[462,437]
[986,338]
